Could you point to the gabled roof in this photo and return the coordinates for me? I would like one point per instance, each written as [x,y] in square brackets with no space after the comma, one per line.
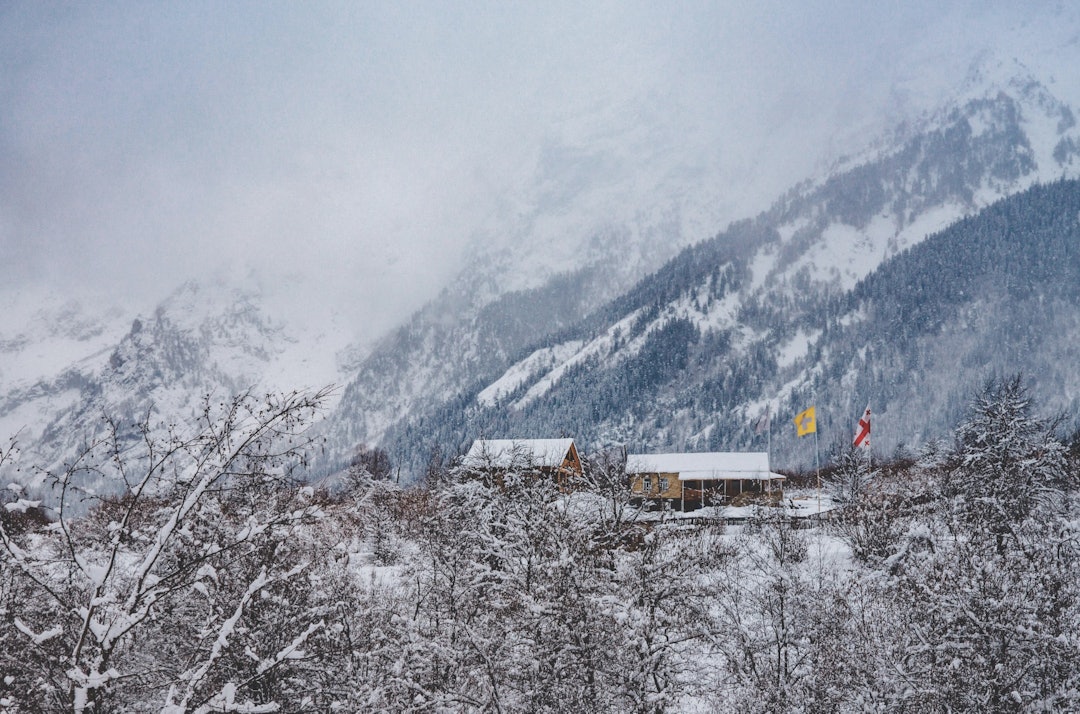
[519,453]
[707,466]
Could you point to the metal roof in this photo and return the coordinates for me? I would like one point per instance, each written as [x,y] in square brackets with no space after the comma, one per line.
[706,466]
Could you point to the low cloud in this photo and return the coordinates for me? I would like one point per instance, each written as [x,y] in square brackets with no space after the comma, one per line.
[371,145]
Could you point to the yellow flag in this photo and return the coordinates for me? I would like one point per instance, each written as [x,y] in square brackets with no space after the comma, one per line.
[806,422]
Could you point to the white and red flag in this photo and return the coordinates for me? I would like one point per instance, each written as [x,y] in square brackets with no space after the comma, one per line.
[862,431]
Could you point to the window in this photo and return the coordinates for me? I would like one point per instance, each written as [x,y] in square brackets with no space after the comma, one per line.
[663,485]
[646,484]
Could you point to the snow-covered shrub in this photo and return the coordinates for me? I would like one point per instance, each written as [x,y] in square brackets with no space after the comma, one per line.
[193,587]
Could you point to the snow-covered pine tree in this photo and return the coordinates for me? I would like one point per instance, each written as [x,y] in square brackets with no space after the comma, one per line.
[983,591]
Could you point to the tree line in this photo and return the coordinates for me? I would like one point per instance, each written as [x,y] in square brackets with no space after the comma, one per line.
[213,578]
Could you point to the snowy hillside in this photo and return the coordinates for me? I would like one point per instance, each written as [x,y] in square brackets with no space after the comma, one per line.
[608,195]
[49,347]
[68,368]
[740,316]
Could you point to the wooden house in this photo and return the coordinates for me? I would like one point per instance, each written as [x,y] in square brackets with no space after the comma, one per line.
[557,459]
[690,481]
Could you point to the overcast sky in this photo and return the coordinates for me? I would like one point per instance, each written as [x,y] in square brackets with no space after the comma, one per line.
[365,143]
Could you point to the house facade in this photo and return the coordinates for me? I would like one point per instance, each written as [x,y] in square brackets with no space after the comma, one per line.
[690,481]
[557,459]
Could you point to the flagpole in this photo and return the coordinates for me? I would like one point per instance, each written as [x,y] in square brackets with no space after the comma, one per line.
[768,441]
[817,464]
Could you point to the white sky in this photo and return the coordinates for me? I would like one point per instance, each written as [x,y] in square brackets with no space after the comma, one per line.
[365,144]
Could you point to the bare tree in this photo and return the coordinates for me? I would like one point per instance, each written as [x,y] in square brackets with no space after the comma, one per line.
[187,513]
[617,518]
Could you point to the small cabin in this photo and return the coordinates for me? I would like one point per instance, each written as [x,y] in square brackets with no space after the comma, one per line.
[687,482]
[556,458]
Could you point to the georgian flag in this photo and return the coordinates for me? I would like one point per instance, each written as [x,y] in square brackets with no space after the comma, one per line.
[862,430]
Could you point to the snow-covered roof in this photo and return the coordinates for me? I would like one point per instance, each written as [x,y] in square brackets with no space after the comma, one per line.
[706,466]
[509,453]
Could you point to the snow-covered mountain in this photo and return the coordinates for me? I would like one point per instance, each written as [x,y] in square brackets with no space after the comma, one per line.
[68,366]
[48,348]
[694,352]
[562,276]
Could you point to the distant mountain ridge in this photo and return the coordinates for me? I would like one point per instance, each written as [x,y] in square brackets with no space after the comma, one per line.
[206,338]
[757,315]
[610,350]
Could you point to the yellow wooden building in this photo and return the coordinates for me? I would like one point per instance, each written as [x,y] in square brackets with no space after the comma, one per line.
[689,481]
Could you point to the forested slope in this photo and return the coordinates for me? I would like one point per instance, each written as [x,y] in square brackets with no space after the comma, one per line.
[690,356]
